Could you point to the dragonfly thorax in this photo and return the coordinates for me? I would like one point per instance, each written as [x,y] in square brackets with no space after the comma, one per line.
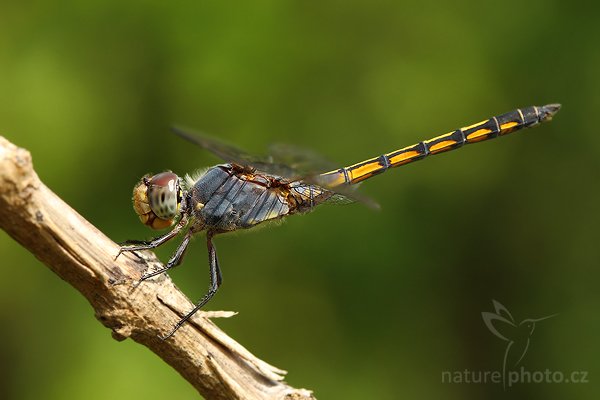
[157,199]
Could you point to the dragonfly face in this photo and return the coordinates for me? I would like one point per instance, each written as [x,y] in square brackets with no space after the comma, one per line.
[157,199]
[249,190]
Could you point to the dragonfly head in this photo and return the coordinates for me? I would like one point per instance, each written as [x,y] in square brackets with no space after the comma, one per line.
[157,199]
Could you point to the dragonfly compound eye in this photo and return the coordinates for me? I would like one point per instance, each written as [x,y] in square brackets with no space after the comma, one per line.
[163,190]
[156,200]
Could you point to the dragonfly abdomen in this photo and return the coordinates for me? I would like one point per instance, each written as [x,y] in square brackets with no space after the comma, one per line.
[484,130]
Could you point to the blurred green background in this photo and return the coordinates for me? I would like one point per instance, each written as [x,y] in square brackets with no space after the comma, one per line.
[354,303]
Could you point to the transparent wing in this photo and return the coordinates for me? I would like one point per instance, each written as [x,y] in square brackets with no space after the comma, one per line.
[349,195]
[304,161]
[233,154]
[224,151]
[289,162]
[339,199]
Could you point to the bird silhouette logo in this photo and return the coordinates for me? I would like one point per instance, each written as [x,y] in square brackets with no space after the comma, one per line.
[516,335]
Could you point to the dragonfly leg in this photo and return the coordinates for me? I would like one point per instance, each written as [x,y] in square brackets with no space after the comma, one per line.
[135,245]
[175,259]
[215,282]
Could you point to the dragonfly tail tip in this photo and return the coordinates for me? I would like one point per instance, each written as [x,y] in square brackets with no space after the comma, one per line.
[549,110]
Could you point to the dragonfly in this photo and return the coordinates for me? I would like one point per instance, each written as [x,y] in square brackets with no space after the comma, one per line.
[247,190]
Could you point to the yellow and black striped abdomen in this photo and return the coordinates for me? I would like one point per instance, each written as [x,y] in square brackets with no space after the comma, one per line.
[488,129]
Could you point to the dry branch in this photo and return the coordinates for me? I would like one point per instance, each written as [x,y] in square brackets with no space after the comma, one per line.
[216,365]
